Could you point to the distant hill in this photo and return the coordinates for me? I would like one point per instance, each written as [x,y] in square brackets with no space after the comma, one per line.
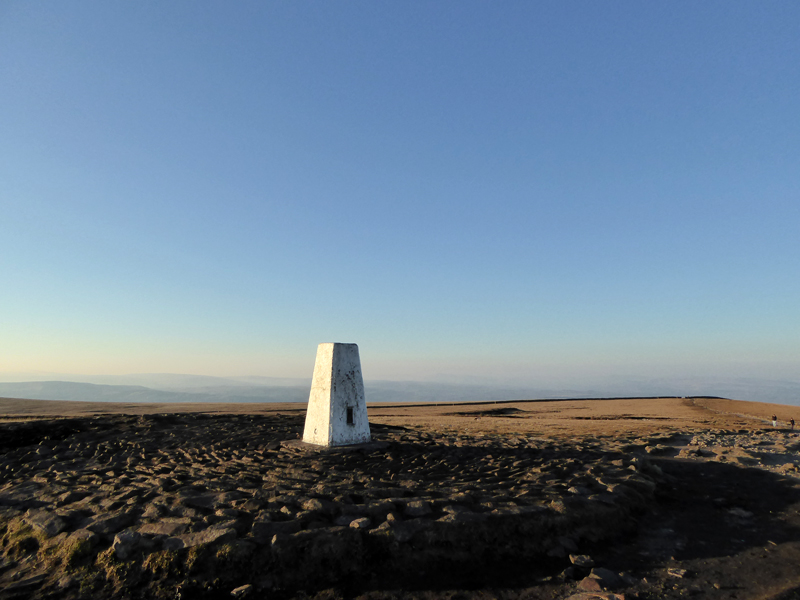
[89,392]
[166,387]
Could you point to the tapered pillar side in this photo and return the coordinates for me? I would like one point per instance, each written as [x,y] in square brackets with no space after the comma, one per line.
[337,408]
[318,414]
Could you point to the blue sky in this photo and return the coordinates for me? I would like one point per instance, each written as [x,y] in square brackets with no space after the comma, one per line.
[468,190]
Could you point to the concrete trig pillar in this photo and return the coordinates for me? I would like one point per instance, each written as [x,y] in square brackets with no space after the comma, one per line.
[337,410]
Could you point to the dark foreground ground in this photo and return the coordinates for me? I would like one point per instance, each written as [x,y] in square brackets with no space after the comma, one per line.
[221,506]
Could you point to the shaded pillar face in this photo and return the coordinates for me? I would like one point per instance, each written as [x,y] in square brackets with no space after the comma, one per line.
[337,409]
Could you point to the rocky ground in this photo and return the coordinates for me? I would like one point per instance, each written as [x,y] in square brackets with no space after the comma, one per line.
[230,505]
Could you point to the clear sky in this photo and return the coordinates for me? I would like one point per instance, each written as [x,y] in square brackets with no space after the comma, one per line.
[468,190]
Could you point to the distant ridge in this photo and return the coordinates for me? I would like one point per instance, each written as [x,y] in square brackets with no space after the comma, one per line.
[91,392]
[175,388]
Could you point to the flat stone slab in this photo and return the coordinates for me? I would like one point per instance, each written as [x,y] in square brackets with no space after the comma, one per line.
[46,522]
[168,526]
[208,536]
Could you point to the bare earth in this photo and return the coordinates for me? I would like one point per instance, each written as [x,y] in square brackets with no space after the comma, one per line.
[613,498]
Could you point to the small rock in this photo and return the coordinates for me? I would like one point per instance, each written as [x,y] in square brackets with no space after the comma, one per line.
[83,535]
[362,523]
[264,531]
[154,511]
[169,526]
[679,573]
[590,584]
[463,517]
[202,501]
[242,591]
[418,508]
[173,543]
[125,543]
[581,560]
[112,523]
[312,504]
[607,578]
[70,497]
[208,536]
[48,523]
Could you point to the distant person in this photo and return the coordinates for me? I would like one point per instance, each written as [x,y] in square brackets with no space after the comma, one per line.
[774,420]
[791,422]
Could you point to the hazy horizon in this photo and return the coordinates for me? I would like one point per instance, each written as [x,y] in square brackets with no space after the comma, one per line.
[167,387]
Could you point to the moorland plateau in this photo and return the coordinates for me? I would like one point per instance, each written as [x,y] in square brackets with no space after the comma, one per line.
[606,498]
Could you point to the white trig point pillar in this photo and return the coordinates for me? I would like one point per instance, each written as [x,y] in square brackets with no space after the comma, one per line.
[337,410]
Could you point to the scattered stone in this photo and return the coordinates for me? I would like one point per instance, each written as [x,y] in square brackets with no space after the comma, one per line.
[678,573]
[242,591]
[606,577]
[109,524]
[83,536]
[417,508]
[168,526]
[208,536]
[463,517]
[125,543]
[46,522]
[264,531]
[71,496]
[590,584]
[581,560]
[204,501]
[362,523]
